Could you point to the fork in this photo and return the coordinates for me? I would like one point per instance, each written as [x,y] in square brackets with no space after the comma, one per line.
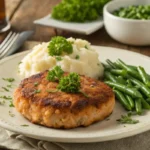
[12,42]
[7,43]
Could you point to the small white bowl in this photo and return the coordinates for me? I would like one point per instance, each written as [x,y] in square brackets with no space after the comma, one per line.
[128,31]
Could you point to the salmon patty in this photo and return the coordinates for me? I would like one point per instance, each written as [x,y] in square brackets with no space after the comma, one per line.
[38,100]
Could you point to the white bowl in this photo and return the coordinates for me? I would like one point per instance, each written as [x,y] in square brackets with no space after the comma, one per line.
[128,31]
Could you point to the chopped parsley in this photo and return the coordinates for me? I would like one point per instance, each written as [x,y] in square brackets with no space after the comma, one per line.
[107,119]
[11,114]
[37,91]
[84,93]
[9,79]
[78,10]
[6,97]
[6,89]
[19,63]
[24,125]
[9,86]
[77,57]
[52,91]
[36,83]
[58,58]
[126,119]
[86,46]
[2,102]
[59,45]
[55,74]
[11,104]
[70,83]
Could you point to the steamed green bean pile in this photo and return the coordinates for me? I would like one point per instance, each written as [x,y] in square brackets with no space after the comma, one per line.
[141,12]
[130,84]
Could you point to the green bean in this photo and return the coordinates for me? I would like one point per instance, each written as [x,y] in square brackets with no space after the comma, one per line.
[122,99]
[135,68]
[106,67]
[143,75]
[129,84]
[111,64]
[130,101]
[138,106]
[141,12]
[109,76]
[123,88]
[148,76]
[148,100]
[137,87]
[121,80]
[132,67]
[132,72]
[121,72]
[117,65]
[145,104]
[143,87]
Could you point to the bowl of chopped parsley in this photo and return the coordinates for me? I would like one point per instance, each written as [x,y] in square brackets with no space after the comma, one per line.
[128,21]
[78,10]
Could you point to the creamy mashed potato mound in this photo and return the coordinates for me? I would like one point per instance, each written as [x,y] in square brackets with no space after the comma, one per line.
[84,60]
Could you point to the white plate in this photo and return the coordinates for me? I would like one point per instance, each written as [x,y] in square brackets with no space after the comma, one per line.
[84,28]
[101,131]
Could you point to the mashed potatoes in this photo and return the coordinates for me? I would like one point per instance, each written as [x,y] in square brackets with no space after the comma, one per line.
[84,60]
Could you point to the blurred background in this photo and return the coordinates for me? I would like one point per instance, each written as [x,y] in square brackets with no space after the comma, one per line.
[22,13]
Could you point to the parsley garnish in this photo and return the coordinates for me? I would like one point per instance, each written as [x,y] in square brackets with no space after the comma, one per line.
[11,114]
[11,104]
[52,91]
[126,119]
[59,45]
[6,97]
[36,83]
[86,46]
[37,91]
[9,79]
[70,83]
[9,86]
[24,125]
[77,57]
[2,102]
[84,93]
[107,119]
[58,58]
[6,89]
[55,74]
[78,10]
[19,63]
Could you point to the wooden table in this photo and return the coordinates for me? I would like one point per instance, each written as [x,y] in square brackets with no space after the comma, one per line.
[22,13]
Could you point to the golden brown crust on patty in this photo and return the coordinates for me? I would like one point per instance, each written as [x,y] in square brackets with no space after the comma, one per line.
[100,97]
[97,92]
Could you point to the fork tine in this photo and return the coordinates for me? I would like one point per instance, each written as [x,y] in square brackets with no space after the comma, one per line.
[5,40]
[9,45]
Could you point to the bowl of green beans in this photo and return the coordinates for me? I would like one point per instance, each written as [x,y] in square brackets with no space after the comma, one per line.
[128,21]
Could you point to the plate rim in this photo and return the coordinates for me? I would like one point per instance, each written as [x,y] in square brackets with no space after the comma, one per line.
[90,139]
